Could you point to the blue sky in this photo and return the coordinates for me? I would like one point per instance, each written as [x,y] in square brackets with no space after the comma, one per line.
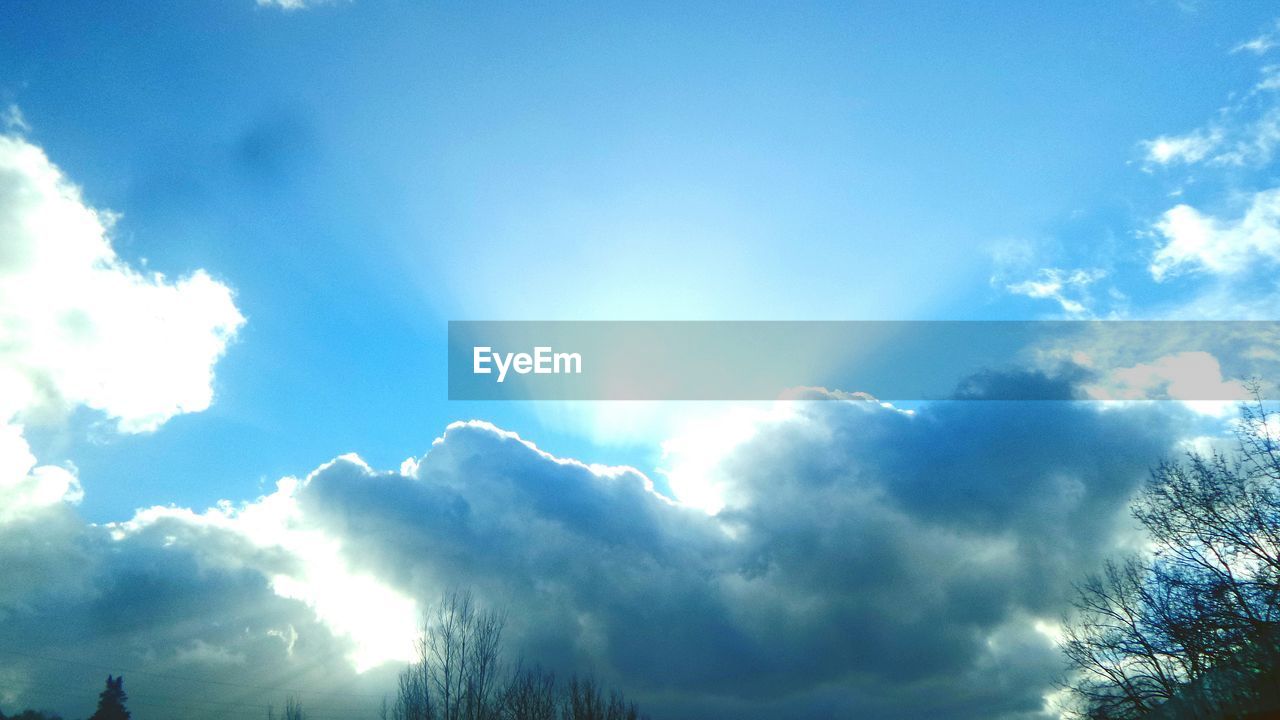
[359,173]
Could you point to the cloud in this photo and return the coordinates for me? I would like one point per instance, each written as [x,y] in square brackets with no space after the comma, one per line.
[1069,288]
[1186,376]
[12,119]
[291,5]
[1232,255]
[1270,78]
[864,561]
[84,328]
[23,485]
[298,562]
[1204,365]
[1229,253]
[1190,148]
[185,611]
[1226,143]
[830,558]
[1244,133]
[1196,242]
[1260,45]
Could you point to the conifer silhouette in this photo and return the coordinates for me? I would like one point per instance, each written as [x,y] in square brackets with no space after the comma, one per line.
[111,701]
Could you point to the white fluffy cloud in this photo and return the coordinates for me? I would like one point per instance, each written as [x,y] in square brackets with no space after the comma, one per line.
[80,327]
[1195,241]
[1234,249]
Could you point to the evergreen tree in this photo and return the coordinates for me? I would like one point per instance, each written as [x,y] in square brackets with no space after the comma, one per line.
[111,701]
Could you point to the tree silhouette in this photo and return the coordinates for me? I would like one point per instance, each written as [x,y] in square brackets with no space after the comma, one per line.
[111,701]
[1193,629]
[460,674]
[531,694]
[292,709]
[456,676]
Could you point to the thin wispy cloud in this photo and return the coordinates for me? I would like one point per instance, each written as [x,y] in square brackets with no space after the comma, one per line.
[1217,251]
[295,5]
[1259,45]
[12,120]
[1068,288]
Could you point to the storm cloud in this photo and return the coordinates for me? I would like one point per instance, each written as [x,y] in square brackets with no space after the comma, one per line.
[867,561]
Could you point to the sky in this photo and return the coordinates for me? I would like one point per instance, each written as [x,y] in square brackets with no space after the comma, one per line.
[232,234]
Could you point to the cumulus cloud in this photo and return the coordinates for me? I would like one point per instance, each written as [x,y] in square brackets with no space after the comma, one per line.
[23,485]
[822,558]
[81,327]
[1233,251]
[185,610]
[1187,376]
[1205,365]
[1194,241]
[864,561]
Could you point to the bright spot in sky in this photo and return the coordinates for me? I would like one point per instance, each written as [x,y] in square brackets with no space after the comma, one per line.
[381,622]
[692,458]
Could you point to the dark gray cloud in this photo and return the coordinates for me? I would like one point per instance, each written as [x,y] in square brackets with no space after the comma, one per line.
[867,563]
[185,612]
[885,551]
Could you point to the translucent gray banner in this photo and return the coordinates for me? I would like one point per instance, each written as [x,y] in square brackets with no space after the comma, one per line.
[889,360]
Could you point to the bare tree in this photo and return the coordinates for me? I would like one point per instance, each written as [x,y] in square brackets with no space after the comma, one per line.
[1128,664]
[531,694]
[460,675]
[293,709]
[585,700]
[456,676]
[620,709]
[413,694]
[1193,630]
